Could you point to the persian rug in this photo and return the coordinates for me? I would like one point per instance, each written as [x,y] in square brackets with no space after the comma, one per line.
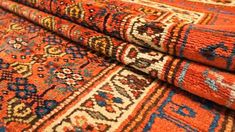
[111,65]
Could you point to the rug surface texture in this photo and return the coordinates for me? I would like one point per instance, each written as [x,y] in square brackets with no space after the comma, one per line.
[117,65]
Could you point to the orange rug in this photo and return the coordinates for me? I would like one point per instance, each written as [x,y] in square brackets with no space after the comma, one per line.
[130,65]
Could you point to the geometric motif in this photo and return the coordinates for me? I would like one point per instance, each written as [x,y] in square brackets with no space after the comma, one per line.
[143,59]
[68,77]
[75,51]
[22,88]
[52,39]
[220,50]
[48,22]
[108,101]
[216,81]
[101,43]
[185,111]
[176,25]
[17,43]
[218,53]
[75,11]
[54,84]
[153,33]
[210,51]
[53,51]
[19,112]
[142,30]
[80,123]
[23,68]
[181,115]
[7,75]
[111,99]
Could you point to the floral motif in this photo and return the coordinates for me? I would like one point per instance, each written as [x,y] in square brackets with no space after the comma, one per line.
[18,20]
[17,43]
[149,29]
[106,100]
[46,108]
[54,50]
[22,88]
[134,83]
[52,39]
[133,53]
[19,111]
[75,11]
[39,58]
[15,27]
[69,78]
[81,124]
[146,33]
[48,22]
[76,51]
[33,28]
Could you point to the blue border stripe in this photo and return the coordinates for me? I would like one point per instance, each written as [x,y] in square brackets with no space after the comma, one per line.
[185,41]
[183,73]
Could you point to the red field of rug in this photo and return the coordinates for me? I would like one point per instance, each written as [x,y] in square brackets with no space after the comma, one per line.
[117,65]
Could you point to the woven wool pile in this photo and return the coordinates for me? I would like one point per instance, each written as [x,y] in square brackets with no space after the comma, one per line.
[117,65]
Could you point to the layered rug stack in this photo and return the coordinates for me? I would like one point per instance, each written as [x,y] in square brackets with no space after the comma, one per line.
[117,65]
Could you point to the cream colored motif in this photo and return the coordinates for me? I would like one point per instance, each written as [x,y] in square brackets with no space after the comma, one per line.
[154,35]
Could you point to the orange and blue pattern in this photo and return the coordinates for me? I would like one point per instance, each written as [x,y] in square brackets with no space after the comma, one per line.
[110,65]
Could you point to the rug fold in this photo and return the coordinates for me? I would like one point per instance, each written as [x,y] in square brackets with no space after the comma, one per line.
[204,81]
[110,65]
[170,31]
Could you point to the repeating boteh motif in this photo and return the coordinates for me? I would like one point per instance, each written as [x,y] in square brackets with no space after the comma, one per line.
[40,70]
[167,68]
